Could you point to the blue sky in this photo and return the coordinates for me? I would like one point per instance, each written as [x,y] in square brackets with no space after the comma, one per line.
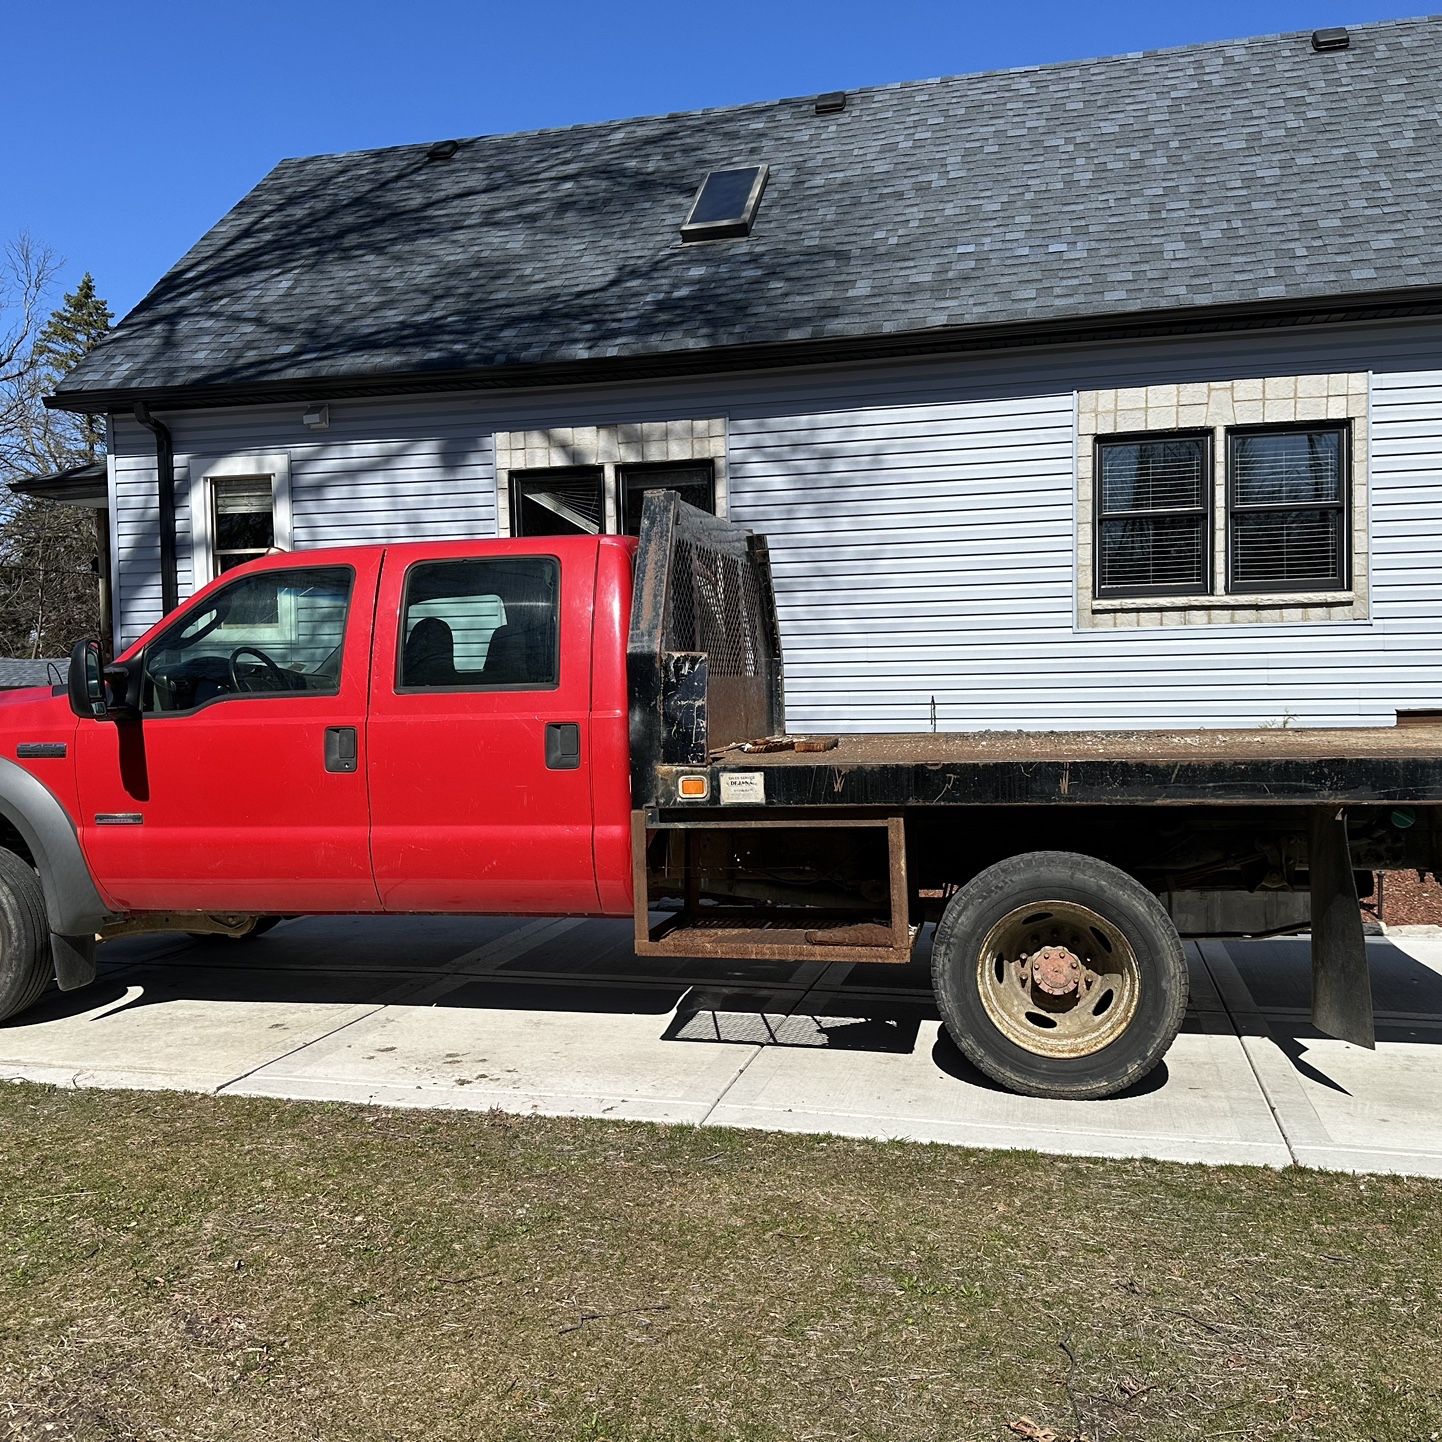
[121,167]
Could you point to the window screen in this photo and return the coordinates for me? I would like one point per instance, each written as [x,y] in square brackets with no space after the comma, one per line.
[1152,507]
[565,501]
[1287,501]
[693,481]
[479,625]
[242,519]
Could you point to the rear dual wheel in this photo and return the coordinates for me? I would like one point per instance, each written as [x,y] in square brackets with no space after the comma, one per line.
[1059,976]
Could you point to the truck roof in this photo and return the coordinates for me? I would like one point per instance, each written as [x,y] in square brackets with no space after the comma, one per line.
[419,550]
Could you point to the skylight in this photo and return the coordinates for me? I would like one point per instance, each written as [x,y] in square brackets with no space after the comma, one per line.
[726,204]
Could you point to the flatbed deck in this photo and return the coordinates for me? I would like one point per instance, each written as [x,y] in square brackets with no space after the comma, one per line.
[1280,765]
[1261,743]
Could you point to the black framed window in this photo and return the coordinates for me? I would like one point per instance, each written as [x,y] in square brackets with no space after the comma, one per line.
[693,481]
[488,624]
[561,501]
[1153,495]
[1287,508]
[273,632]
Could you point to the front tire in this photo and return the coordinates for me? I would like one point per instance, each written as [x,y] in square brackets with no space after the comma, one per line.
[26,966]
[1059,976]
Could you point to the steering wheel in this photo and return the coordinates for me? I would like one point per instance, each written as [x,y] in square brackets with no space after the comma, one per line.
[272,668]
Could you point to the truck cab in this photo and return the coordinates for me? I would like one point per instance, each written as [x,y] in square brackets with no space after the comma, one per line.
[413,728]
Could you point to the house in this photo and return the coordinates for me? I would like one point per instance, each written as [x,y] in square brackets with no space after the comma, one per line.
[1093,394]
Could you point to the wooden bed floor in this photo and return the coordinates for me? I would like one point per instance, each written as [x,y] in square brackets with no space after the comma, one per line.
[1260,744]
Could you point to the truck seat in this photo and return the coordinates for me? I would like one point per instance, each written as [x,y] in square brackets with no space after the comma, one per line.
[519,655]
[430,655]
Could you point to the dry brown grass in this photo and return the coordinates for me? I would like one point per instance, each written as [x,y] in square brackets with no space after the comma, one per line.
[176,1267]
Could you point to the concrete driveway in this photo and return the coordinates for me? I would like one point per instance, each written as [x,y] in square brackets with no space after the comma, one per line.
[560,1017]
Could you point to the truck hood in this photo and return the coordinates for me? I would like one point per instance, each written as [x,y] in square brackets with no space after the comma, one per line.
[42,709]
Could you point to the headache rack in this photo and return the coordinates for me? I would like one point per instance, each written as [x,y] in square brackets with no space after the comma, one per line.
[704,653]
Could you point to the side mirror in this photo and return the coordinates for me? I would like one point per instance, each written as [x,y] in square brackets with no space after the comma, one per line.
[100,691]
[86,682]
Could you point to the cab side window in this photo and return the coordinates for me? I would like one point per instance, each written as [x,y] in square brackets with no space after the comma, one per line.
[481,625]
[272,633]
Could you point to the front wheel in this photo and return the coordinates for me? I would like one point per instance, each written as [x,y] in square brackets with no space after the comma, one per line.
[1059,976]
[26,967]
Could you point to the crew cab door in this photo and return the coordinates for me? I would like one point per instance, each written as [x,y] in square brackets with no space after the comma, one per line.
[242,786]
[480,737]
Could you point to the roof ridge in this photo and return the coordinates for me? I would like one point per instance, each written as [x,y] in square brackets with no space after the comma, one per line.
[919,82]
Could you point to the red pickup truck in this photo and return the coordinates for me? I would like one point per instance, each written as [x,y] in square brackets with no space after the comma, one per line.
[592,725]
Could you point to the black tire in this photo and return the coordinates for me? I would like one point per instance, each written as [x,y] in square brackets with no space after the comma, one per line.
[26,965]
[1065,877]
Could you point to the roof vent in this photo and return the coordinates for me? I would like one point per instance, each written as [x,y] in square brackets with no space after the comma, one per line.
[1324,40]
[443,149]
[726,204]
[831,102]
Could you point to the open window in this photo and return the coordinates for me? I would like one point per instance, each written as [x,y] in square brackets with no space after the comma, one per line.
[562,501]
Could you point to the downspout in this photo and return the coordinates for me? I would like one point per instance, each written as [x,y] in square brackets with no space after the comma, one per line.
[165,494]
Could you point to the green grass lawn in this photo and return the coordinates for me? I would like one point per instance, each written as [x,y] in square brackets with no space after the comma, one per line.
[191,1267]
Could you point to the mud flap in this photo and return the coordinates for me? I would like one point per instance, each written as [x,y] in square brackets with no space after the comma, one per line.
[74,958]
[1341,984]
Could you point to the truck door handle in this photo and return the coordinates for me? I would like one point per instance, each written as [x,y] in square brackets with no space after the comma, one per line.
[563,746]
[340,748]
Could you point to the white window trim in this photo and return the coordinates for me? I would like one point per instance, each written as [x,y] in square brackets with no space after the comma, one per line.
[270,465]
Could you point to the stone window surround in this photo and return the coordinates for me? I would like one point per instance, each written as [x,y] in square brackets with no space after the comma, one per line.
[1217,406]
[608,446]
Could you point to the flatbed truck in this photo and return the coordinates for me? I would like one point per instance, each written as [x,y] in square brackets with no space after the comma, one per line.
[594,725]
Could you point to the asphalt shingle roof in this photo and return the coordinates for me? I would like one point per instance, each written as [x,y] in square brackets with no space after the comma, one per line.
[17,672]
[1212,175]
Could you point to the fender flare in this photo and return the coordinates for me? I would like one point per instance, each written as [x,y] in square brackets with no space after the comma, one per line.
[73,903]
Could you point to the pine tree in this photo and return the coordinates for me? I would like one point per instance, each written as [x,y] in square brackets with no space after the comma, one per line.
[71,333]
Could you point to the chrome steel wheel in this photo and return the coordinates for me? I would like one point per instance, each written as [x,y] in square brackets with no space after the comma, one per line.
[1058,979]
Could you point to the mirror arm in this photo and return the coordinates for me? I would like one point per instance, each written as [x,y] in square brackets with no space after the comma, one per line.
[122,681]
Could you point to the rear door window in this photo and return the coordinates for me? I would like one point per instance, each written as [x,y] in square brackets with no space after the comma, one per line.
[481,625]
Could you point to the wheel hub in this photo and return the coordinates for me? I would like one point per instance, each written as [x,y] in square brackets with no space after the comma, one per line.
[1056,970]
[1058,979]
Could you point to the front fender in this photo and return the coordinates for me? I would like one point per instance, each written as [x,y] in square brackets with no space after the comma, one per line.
[73,903]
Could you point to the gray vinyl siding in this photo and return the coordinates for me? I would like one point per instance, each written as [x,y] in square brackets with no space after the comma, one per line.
[921,519]
[400,470]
